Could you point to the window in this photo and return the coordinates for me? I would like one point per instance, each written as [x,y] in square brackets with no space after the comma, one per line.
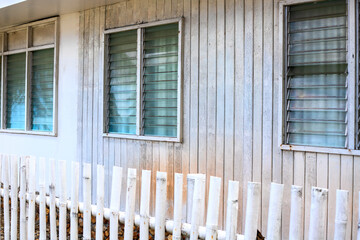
[142,96]
[28,76]
[316,74]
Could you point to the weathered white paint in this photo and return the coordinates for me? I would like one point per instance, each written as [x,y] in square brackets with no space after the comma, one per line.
[5,180]
[14,195]
[252,210]
[232,210]
[317,228]
[75,174]
[218,119]
[22,196]
[31,199]
[61,173]
[145,204]
[42,204]
[161,181]
[274,216]
[130,204]
[341,217]
[296,215]
[100,201]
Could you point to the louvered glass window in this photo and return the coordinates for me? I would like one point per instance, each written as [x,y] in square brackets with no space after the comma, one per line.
[160,80]
[122,82]
[317,74]
[28,97]
[42,87]
[142,87]
[15,91]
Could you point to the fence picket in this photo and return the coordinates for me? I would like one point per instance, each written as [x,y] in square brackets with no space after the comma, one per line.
[198,204]
[14,196]
[213,208]
[74,201]
[145,204]
[160,205]
[115,202]
[42,204]
[52,190]
[232,210]
[341,215]
[87,201]
[252,210]
[317,227]
[100,202]
[32,198]
[194,231]
[296,212]
[22,197]
[274,216]
[178,200]
[130,204]
[5,179]
[63,201]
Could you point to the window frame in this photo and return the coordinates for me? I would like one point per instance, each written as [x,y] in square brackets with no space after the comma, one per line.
[280,54]
[28,51]
[139,82]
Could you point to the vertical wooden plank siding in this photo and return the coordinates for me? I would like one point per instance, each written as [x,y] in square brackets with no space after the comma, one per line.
[231,109]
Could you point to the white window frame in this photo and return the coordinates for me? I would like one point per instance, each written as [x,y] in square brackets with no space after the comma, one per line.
[351,79]
[139,28]
[28,49]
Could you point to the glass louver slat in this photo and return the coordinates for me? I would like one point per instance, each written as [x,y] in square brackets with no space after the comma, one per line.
[42,86]
[316,74]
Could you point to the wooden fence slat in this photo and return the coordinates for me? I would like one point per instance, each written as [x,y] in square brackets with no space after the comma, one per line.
[100,188]
[358,222]
[198,205]
[252,210]
[115,202]
[75,166]
[317,226]
[274,216]
[32,198]
[14,196]
[5,180]
[341,216]
[145,204]
[232,209]
[42,204]
[160,205]
[296,213]
[178,204]
[87,201]
[130,204]
[212,219]
[22,196]
[63,200]
[52,190]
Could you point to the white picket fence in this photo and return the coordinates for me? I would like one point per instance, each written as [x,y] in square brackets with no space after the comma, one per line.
[12,175]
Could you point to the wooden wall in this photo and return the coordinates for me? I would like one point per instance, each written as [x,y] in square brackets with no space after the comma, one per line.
[231,106]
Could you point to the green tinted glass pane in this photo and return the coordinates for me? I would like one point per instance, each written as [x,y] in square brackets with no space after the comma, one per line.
[121,87]
[317,74]
[42,87]
[15,91]
[160,80]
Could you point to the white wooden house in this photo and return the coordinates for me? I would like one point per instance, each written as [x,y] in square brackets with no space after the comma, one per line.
[246,90]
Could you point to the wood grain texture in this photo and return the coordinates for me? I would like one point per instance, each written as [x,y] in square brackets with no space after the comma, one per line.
[231,108]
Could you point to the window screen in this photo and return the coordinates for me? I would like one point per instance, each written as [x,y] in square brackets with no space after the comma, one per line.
[317,74]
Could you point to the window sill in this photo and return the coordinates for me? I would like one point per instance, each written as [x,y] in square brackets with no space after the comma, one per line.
[342,151]
[144,138]
[49,134]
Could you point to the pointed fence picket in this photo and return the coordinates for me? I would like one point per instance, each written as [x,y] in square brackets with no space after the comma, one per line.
[23,171]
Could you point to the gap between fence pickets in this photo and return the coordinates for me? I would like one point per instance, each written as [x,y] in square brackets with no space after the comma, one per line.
[169,224]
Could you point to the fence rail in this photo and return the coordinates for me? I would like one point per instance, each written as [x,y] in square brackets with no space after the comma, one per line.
[12,176]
